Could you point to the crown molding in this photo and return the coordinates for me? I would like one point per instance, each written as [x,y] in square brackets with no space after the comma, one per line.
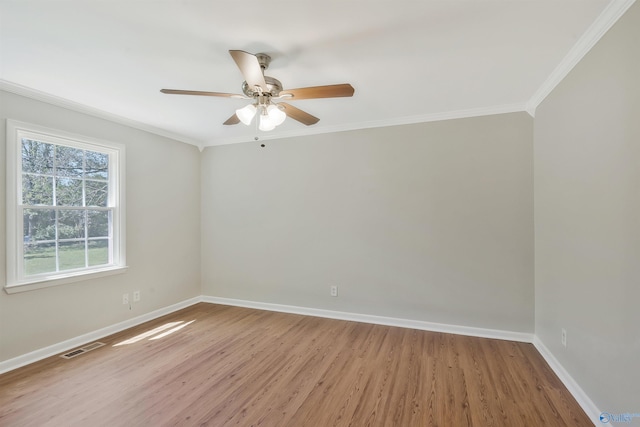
[609,16]
[397,121]
[11,87]
[37,95]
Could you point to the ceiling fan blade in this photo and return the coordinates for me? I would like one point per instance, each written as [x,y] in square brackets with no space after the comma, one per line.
[233,120]
[328,91]
[299,115]
[201,93]
[250,68]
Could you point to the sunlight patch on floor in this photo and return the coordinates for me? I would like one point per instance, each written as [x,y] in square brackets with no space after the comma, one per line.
[161,330]
[170,331]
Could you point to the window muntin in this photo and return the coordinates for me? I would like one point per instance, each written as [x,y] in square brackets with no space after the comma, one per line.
[65,205]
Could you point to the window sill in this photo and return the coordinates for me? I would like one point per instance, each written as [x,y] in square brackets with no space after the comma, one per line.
[48,282]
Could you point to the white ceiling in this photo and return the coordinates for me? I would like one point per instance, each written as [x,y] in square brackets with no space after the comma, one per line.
[408,60]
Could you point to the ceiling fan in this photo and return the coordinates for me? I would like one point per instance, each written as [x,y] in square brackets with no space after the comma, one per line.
[263,90]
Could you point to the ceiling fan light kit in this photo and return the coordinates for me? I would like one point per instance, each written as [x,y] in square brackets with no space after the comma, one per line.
[263,90]
[271,117]
[245,114]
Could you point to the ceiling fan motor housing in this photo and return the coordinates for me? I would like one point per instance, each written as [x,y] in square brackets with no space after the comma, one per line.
[273,85]
[264,60]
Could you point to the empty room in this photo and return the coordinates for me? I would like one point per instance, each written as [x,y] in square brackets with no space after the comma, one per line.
[356,213]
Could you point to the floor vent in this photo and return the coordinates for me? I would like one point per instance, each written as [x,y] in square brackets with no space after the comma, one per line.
[82,350]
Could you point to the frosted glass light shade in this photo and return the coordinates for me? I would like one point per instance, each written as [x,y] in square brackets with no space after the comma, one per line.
[245,114]
[276,114]
[266,123]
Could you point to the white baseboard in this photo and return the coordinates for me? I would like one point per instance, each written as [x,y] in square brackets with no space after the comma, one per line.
[378,320]
[63,346]
[583,399]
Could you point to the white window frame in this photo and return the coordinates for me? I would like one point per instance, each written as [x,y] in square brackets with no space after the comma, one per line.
[15,280]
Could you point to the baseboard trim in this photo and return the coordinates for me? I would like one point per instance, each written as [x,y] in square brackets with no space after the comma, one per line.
[572,386]
[52,350]
[581,397]
[377,320]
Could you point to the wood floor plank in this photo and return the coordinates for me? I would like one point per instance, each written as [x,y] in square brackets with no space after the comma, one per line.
[212,365]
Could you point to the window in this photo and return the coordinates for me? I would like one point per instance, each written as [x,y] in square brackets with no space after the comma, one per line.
[65,211]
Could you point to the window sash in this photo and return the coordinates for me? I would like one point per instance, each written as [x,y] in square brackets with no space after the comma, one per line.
[57,240]
[16,275]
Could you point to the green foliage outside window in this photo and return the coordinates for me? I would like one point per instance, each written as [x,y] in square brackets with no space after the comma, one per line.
[66,215]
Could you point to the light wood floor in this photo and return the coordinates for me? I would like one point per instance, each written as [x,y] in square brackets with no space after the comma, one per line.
[241,367]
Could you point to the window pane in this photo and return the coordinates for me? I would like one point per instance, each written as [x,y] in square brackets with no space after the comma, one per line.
[71,255]
[37,157]
[39,258]
[98,223]
[39,224]
[97,165]
[37,190]
[64,202]
[68,192]
[96,193]
[69,161]
[98,252]
[71,224]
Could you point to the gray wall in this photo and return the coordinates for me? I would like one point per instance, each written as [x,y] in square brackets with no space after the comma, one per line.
[429,222]
[587,219]
[163,216]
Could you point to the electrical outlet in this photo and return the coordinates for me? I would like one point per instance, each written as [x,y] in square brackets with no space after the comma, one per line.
[564,337]
[136,296]
[125,299]
[334,291]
